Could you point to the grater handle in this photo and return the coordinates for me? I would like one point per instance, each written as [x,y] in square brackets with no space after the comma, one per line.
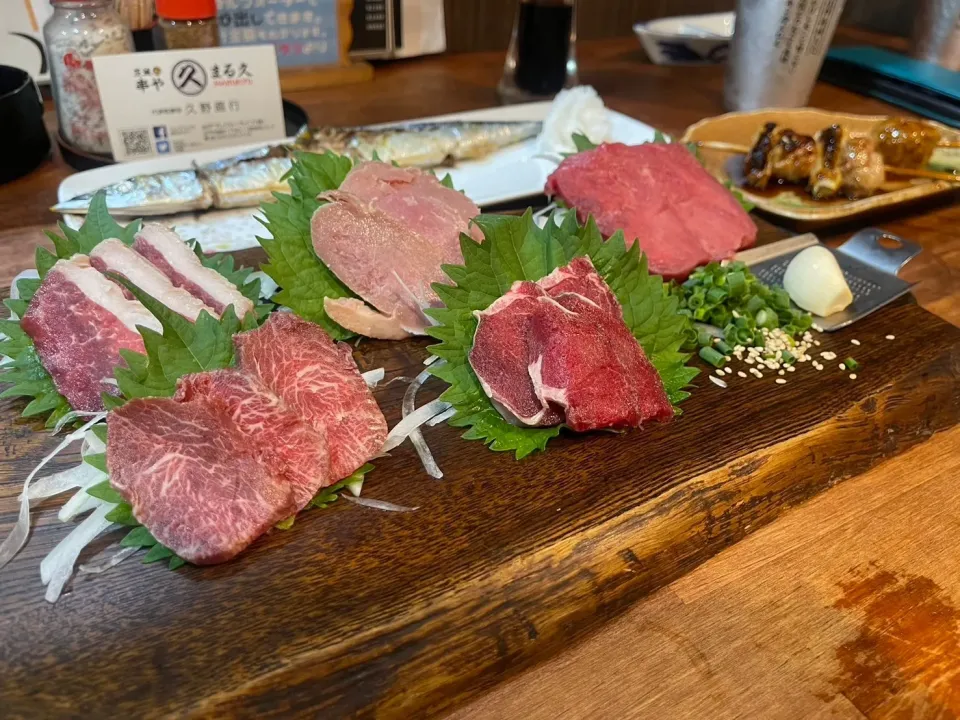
[867,247]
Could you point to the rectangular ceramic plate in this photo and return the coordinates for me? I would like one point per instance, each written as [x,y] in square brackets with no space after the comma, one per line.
[794,202]
[513,173]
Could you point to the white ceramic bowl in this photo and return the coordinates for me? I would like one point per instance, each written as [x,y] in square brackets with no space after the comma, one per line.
[688,39]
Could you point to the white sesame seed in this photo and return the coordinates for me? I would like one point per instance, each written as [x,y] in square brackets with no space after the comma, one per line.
[759,374]
[791,368]
[891,337]
[781,372]
[749,361]
[854,342]
[853,376]
[727,358]
[843,366]
[781,381]
[816,342]
[717,381]
[818,366]
[741,373]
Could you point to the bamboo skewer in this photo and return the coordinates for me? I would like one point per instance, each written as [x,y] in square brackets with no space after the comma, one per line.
[908,172]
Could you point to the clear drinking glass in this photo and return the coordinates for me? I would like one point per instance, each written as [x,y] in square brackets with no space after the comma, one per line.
[542,58]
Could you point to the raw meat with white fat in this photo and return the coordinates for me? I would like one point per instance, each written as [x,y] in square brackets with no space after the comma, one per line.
[319,379]
[385,233]
[79,321]
[661,197]
[236,451]
[558,350]
[112,256]
[164,249]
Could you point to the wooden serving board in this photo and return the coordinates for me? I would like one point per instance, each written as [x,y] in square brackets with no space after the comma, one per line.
[357,612]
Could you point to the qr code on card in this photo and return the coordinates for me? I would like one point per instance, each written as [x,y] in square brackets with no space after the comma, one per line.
[136,142]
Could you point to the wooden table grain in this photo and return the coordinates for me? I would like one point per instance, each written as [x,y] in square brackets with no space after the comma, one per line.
[834,609]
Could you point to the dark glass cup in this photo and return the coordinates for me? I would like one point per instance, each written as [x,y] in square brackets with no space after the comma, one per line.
[541,59]
[21,117]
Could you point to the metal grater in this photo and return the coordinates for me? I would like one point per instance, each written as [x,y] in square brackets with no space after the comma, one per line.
[869,267]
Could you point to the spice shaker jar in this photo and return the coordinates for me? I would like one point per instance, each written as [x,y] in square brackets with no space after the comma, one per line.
[77,31]
[188,23]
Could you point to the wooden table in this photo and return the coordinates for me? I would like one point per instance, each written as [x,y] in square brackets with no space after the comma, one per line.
[843,607]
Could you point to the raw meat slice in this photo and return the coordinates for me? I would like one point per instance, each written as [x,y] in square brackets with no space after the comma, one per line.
[191,478]
[235,451]
[79,321]
[559,350]
[379,258]
[277,436]
[357,316]
[164,249]
[112,256]
[661,197]
[418,200]
[501,356]
[385,233]
[317,379]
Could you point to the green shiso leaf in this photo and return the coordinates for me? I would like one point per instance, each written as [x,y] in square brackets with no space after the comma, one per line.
[330,494]
[291,261]
[515,249]
[182,348]
[99,461]
[104,491]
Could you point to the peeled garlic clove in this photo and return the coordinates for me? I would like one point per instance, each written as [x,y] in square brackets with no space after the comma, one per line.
[815,282]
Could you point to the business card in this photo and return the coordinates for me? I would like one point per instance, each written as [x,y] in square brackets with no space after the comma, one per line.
[179,101]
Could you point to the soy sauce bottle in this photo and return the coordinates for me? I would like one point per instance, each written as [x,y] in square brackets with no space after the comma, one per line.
[541,59]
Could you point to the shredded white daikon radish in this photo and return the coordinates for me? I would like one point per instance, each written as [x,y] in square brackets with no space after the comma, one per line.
[105,563]
[92,445]
[372,377]
[401,431]
[57,567]
[81,502]
[18,536]
[431,359]
[51,485]
[73,415]
[416,437]
[379,504]
[442,417]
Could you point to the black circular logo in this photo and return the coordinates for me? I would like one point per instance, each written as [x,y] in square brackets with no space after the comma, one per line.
[189,77]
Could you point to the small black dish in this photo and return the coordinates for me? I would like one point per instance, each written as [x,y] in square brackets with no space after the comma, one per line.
[21,117]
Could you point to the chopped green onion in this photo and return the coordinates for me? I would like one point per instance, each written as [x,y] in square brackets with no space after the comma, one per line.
[851,363]
[787,357]
[713,357]
[723,347]
[716,295]
[767,319]
[736,283]
[704,338]
[754,304]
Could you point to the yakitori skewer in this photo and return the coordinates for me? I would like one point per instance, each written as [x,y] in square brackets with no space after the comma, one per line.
[831,163]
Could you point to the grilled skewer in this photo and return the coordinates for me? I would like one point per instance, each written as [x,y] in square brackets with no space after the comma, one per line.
[833,161]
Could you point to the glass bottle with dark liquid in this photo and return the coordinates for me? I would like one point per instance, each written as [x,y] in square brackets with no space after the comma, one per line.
[541,59]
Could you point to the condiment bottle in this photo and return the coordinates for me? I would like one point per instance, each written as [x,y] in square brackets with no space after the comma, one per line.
[188,23]
[77,31]
[541,59]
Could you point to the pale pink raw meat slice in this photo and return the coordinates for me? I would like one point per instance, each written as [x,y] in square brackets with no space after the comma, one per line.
[381,259]
[112,256]
[417,199]
[79,321]
[171,256]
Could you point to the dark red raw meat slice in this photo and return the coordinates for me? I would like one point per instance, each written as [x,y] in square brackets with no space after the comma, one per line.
[661,197]
[559,350]
[79,321]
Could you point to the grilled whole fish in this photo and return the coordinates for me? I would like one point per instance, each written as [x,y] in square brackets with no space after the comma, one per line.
[249,179]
